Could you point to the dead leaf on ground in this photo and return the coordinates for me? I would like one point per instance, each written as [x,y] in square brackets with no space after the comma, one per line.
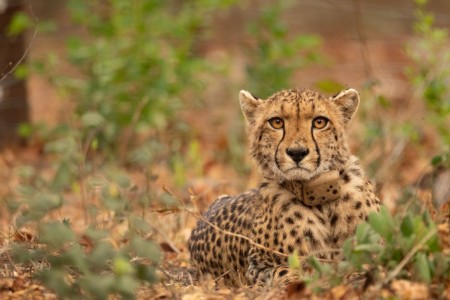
[409,290]
[344,292]
[24,235]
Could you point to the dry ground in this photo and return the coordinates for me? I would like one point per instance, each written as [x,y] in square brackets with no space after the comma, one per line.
[401,166]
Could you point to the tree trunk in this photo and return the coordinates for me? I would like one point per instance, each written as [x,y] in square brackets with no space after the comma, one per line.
[13,93]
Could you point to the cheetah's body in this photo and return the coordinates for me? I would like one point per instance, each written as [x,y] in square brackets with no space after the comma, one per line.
[292,149]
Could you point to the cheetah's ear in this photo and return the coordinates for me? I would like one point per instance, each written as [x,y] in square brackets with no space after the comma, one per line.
[249,104]
[347,102]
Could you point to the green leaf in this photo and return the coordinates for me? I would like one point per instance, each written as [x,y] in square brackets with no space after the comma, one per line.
[168,200]
[433,244]
[371,248]
[407,226]
[19,23]
[21,71]
[141,156]
[102,253]
[146,273]
[29,216]
[44,202]
[113,200]
[307,41]
[26,172]
[329,86]
[99,286]
[63,177]
[55,234]
[126,286]
[120,177]
[26,191]
[436,160]
[66,146]
[423,267]
[55,280]
[146,249]
[383,101]
[122,266]
[294,261]
[47,26]
[21,254]
[382,223]
[74,257]
[362,233]
[139,224]
[95,182]
[421,2]
[348,248]
[25,130]
[315,264]
[96,235]
[92,119]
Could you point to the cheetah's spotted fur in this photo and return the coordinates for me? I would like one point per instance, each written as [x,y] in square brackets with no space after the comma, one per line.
[292,148]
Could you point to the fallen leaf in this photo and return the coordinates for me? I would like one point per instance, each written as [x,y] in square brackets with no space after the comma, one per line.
[409,290]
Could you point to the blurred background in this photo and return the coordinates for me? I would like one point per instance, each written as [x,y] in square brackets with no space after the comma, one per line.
[120,108]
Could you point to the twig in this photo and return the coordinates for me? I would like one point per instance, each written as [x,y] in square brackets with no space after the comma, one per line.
[403,263]
[235,234]
[200,217]
[134,120]
[166,239]
[190,278]
[197,216]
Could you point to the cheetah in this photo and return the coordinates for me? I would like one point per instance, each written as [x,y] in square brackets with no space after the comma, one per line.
[312,195]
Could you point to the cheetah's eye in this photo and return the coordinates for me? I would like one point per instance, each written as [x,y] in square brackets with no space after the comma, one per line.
[276,123]
[320,122]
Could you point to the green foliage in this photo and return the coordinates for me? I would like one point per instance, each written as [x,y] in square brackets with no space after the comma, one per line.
[424,114]
[329,86]
[277,55]
[381,245]
[135,65]
[122,277]
[76,263]
[429,74]
[19,23]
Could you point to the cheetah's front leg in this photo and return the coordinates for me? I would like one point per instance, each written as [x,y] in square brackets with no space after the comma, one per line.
[264,270]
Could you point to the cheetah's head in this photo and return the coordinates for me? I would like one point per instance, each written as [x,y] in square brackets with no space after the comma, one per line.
[299,134]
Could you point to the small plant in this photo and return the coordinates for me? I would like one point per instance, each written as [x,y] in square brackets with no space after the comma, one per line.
[406,246]
[133,68]
[110,254]
[430,75]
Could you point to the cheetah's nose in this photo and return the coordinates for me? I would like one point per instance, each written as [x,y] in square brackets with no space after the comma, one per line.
[297,154]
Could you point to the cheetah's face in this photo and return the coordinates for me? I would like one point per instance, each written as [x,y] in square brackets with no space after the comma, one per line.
[299,134]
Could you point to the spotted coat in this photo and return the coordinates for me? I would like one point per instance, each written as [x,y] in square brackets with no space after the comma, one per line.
[294,136]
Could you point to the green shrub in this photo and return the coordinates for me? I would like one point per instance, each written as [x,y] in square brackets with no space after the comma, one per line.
[277,55]
[133,65]
[405,246]
[429,75]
